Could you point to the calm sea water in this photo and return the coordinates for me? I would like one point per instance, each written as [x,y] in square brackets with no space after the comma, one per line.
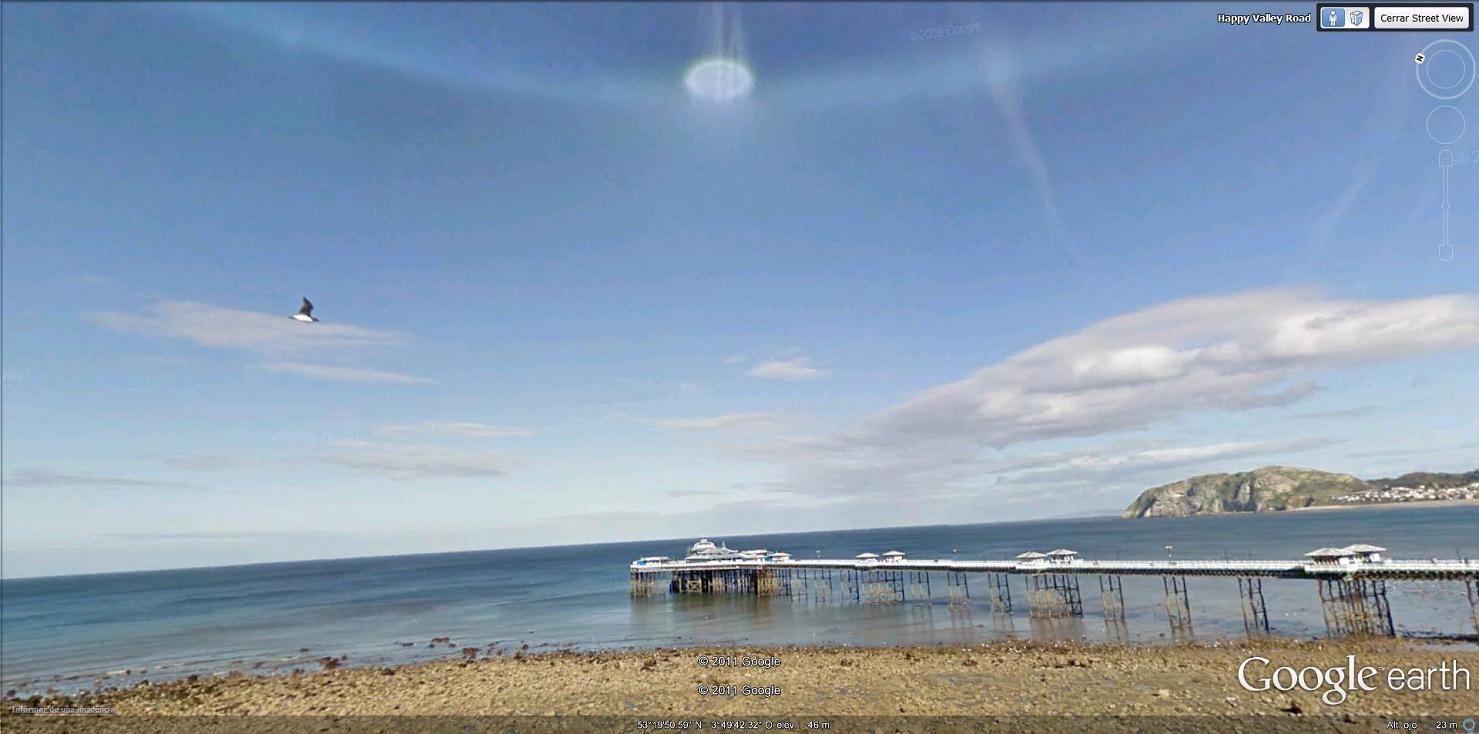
[78,632]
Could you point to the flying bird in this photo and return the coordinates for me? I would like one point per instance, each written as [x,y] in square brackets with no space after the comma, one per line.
[305,313]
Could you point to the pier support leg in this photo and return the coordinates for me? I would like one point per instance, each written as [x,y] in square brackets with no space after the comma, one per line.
[883,587]
[1112,599]
[766,582]
[919,587]
[689,582]
[1472,587]
[852,585]
[1112,594]
[1332,594]
[1377,592]
[1052,596]
[958,588]
[1356,606]
[999,591]
[772,582]
[649,584]
[1041,603]
[818,584]
[1255,611]
[1071,595]
[1178,604]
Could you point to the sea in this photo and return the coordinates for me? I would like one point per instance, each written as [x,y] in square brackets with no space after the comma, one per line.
[72,633]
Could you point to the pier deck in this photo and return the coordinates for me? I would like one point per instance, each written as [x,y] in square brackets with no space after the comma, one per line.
[1352,581]
[1390,569]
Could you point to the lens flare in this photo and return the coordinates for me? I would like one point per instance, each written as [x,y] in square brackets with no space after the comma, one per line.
[719,79]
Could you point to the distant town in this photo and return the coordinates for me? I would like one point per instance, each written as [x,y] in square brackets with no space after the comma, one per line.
[1420,493]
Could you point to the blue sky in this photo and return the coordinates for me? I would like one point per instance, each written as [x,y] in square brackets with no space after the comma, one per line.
[1023,267]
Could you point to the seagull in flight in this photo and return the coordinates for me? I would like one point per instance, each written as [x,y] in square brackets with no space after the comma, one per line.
[305,313]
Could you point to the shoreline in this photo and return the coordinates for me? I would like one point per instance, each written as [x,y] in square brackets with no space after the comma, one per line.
[1000,678]
[1388,505]
[80,686]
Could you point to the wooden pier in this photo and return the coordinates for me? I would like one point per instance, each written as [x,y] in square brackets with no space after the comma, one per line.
[1352,582]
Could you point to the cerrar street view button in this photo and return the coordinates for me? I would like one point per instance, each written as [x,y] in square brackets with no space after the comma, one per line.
[1344,18]
[1424,17]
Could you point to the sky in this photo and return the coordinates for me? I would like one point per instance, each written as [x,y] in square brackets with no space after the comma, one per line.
[883,264]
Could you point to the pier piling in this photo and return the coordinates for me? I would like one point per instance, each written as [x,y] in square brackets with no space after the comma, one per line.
[882,587]
[919,587]
[852,586]
[895,586]
[957,588]
[648,585]
[767,583]
[999,591]
[1112,593]
[1255,611]
[1472,587]
[1178,604]
[1356,607]
[1052,596]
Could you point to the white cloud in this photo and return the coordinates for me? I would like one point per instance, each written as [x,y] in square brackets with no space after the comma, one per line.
[264,334]
[344,374]
[203,462]
[40,478]
[1103,465]
[1217,353]
[726,422]
[247,331]
[788,369]
[465,429]
[425,462]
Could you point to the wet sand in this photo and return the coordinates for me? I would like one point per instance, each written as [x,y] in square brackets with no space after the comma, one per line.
[1194,685]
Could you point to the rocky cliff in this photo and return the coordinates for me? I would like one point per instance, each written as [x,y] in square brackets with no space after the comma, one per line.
[1269,489]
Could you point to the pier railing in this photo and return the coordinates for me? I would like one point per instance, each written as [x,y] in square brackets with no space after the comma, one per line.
[1413,569]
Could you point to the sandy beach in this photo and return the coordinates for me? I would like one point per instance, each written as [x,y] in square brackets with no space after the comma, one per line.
[1191,687]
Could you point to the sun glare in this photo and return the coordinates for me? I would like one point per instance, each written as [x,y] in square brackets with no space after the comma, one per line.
[719,80]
